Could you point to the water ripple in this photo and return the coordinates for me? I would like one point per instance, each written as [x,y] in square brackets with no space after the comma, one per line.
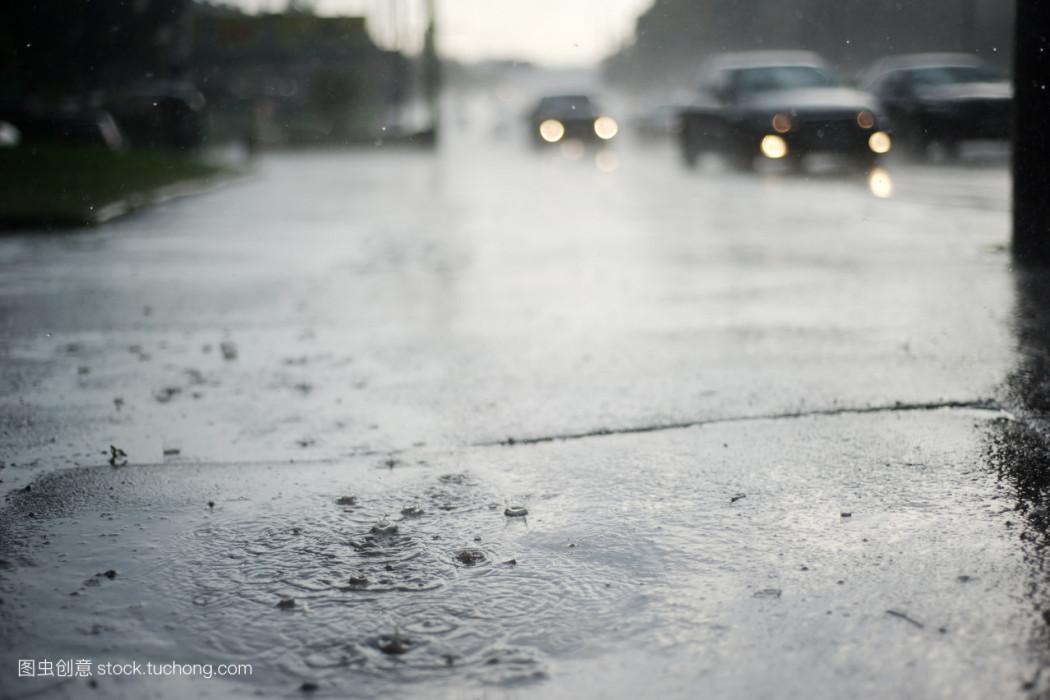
[422,581]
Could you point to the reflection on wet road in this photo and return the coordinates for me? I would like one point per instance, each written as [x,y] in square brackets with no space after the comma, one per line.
[381,300]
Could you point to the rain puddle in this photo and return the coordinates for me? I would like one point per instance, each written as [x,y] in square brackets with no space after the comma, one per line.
[351,578]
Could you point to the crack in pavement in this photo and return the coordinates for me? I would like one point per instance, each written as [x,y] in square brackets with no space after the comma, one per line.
[390,454]
[979,404]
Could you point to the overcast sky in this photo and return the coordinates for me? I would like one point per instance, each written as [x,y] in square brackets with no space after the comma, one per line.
[552,32]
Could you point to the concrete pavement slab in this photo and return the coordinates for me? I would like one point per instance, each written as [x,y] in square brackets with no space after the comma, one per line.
[869,555]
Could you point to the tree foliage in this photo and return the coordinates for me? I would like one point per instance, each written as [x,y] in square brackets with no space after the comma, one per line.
[52,48]
[672,36]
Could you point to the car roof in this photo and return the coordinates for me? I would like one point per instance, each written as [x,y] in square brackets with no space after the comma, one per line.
[918,60]
[567,97]
[723,63]
[753,59]
[574,103]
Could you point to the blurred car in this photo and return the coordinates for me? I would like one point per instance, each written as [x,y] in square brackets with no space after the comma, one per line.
[557,118]
[941,99]
[73,128]
[165,114]
[9,134]
[779,105]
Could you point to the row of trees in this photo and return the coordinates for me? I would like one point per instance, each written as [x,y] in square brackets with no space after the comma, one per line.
[673,36]
[154,64]
[56,49]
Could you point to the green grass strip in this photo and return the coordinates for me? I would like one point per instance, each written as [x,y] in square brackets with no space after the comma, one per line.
[54,185]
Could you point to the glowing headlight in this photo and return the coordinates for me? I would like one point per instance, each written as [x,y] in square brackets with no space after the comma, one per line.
[865,119]
[774,147]
[552,130]
[782,123]
[605,127]
[879,142]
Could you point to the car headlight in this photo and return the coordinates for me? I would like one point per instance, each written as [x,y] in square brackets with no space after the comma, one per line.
[880,142]
[774,147]
[552,130]
[606,127]
[865,119]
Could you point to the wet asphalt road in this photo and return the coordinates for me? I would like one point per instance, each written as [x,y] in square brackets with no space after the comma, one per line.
[762,424]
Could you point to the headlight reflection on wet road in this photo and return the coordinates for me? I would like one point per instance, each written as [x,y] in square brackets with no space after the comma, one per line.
[572,149]
[607,160]
[880,183]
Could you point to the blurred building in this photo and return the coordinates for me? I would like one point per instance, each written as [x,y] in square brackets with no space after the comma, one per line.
[295,77]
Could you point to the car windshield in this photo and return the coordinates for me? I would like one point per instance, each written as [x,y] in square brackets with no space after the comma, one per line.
[566,104]
[950,75]
[766,78]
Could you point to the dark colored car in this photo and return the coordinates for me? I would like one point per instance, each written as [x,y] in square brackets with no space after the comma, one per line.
[942,98]
[558,118]
[166,114]
[9,134]
[73,128]
[779,105]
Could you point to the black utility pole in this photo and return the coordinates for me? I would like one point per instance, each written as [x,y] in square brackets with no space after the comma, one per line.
[432,73]
[1031,149]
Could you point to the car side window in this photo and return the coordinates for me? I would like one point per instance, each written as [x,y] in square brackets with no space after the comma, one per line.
[898,83]
[710,83]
